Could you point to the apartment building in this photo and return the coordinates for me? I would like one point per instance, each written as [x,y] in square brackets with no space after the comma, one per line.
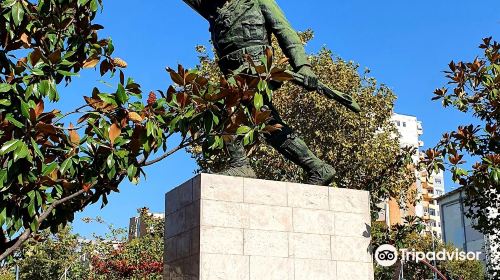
[428,188]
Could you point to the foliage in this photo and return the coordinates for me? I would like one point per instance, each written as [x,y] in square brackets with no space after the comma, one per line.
[51,169]
[111,256]
[476,91]
[410,236]
[139,258]
[363,148]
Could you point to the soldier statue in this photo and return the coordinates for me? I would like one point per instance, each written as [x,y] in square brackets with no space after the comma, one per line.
[241,29]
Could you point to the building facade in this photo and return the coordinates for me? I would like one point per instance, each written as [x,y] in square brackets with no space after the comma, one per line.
[458,230]
[428,188]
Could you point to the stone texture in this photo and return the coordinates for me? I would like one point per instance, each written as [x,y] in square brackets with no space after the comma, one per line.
[316,269]
[265,217]
[271,268]
[310,246]
[220,228]
[217,267]
[313,221]
[308,196]
[350,201]
[354,270]
[217,240]
[266,243]
[354,249]
[265,192]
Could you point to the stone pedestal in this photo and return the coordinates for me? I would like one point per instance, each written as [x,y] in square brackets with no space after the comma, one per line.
[220,227]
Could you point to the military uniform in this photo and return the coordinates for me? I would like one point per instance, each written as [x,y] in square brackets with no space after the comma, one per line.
[242,28]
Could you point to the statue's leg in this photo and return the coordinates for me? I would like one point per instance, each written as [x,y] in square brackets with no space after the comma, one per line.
[239,166]
[295,149]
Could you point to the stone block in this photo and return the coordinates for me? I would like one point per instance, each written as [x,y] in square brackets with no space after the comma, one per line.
[350,201]
[266,243]
[308,196]
[218,267]
[354,271]
[353,249]
[218,187]
[316,269]
[271,268]
[313,221]
[352,224]
[224,214]
[265,217]
[225,228]
[265,192]
[310,246]
[218,240]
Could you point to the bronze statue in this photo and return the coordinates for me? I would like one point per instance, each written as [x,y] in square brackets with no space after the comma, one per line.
[242,29]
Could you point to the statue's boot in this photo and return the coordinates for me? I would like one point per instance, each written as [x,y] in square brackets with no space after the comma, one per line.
[239,165]
[296,150]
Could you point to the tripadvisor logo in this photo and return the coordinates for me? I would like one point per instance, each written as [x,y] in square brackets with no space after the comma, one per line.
[387,255]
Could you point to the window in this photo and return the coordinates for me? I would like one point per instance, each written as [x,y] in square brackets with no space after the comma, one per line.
[432,223]
[432,212]
[398,123]
[404,124]
[438,181]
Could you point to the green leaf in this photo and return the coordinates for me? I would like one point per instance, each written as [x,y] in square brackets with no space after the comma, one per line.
[13,121]
[17,13]
[9,146]
[37,149]
[243,130]
[121,94]
[3,177]
[8,3]
[5,88]
[65,165]
[94,5]
[82,2]
[5,102]
[66,73]
[258,101]
[25,110]
[47,169]
[110,161]
[3,216]
[21,151]
[31,209]
[108,98]
[131,171]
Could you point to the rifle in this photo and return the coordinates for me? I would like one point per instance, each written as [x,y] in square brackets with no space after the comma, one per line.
[343,98]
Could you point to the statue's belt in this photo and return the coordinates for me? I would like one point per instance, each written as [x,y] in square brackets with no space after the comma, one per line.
[235,59]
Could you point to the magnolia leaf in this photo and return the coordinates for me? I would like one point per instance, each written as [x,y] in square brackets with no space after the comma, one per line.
[114,132]
[133,116]
[91,63]
[17,13]
[73,135]
[9,146]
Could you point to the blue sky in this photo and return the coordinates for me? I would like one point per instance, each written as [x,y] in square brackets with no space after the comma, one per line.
[406,44]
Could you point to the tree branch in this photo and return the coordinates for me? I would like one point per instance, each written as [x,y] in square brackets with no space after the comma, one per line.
[27,233]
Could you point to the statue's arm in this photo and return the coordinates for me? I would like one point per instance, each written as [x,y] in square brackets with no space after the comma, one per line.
[288,38]
[196,5]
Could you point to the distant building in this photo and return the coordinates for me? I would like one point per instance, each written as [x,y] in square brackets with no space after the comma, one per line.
[137,227]
[427,187]
[457,228]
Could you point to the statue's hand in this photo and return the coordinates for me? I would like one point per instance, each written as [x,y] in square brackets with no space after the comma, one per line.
[310,79]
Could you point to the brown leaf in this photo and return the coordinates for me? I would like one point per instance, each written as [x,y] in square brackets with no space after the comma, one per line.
[118,62]
[114,132]
[73,135]
[176,77]
[91,62]
[39,108]
[25,39]
[35,56]
[55,56]
[133,116]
